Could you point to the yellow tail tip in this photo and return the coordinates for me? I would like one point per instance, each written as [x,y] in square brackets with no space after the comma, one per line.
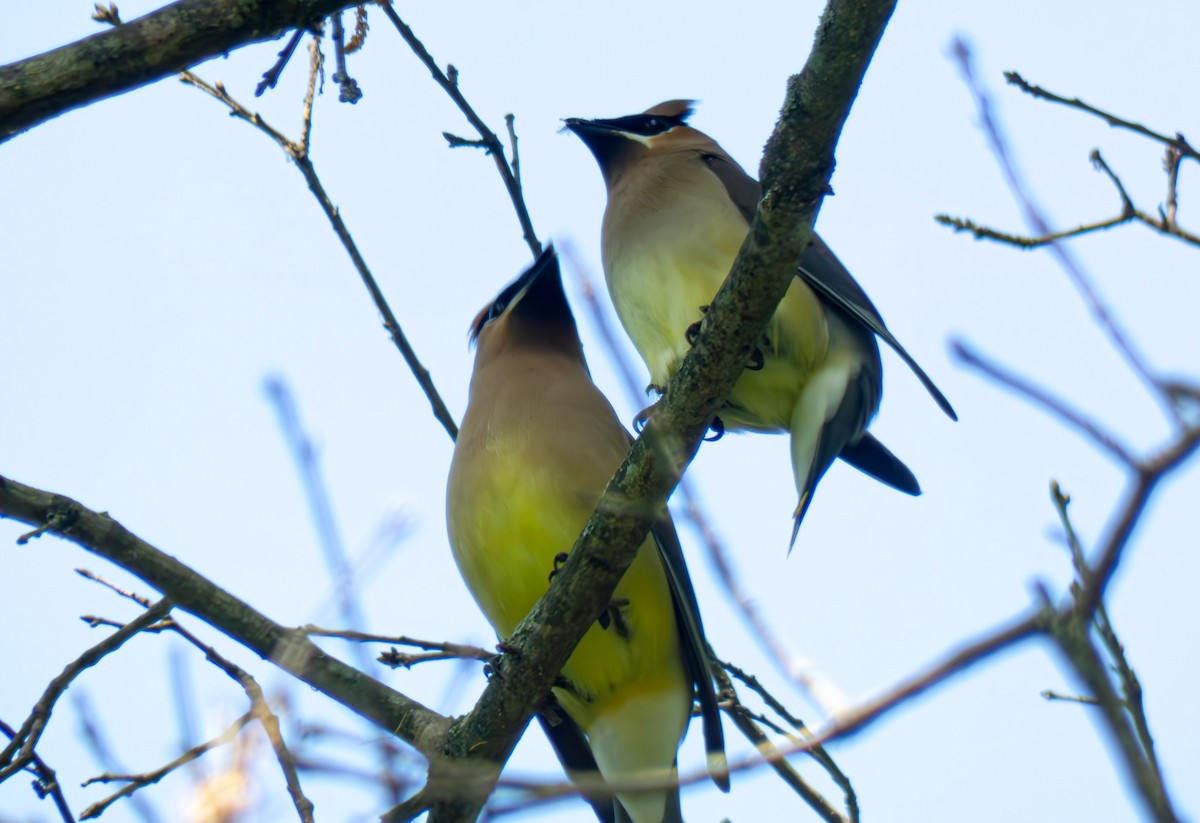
[718,768]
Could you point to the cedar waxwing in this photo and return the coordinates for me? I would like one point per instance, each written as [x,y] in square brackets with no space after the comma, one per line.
[537,446]
[678,210]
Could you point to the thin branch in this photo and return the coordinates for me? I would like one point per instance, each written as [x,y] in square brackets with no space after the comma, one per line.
[1071,627]
[138,781]
[348,90]
[93,737]
[796,169]
[745,724]
[1171,167]
[487,138]
[960,224]
[260,711]
[142,51]
[299,154]
[454,649]
[1037,223]
[1164,223]
[1071,631]
[271,76]
[290,649]
[341,573]
[304,453]
[128,594]
[1178,142]
[1130,684]
[437,650]
[19,751]
[46,780]
[847,724]
[1041,398]
[1003,638]
[1070,698]
[818,753]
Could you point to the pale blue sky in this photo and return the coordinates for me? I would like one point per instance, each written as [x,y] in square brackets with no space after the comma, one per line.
[161,259]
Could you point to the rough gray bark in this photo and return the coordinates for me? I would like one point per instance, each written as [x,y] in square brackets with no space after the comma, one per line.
[141,51]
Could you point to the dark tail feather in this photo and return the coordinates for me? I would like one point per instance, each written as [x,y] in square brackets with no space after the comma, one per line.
[576,756]
[871,457]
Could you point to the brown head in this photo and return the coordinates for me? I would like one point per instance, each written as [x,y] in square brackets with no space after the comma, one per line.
[621,143]
[530,312]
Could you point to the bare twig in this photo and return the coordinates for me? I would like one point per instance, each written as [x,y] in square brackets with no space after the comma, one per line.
[1070,698]
[139,781]
[289,649]
[45,782]
[488,140]
[1033,217]
[1131,686]
[329,538]
[299,154]
[1071,632]
[1021,241]
[746,725]
[1165,222]
[818,753]
[19,751]
[141,600]
[440,650]
[94,738]
[271,76]
[304,453]
[348,90]
[260,711]
[1178,142]
[1041,398]
[1072,625]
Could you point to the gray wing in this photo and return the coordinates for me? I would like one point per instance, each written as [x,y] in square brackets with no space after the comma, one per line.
[822,271]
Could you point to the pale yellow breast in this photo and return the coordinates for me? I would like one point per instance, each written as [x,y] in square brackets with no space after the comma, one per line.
[522,484]
[669,240]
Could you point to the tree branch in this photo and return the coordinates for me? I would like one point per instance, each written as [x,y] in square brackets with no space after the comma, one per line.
[1178,142]
[19,752]
[142,51]
[796,170]
[290,649]
[448,80]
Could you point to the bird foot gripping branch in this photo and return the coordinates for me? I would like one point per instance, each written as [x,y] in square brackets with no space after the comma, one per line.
[679,209]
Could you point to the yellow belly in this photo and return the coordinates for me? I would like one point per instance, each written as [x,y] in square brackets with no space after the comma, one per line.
[658,297]
[517,518]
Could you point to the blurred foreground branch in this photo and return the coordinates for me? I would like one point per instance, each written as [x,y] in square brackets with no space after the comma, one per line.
[1075,625]
[1164,221]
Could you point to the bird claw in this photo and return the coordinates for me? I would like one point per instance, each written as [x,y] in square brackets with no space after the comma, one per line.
[494,666]
[643,417]
[613,616]
[656,389]
[693,331]
[717,426]
[559,559]
[757,361]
